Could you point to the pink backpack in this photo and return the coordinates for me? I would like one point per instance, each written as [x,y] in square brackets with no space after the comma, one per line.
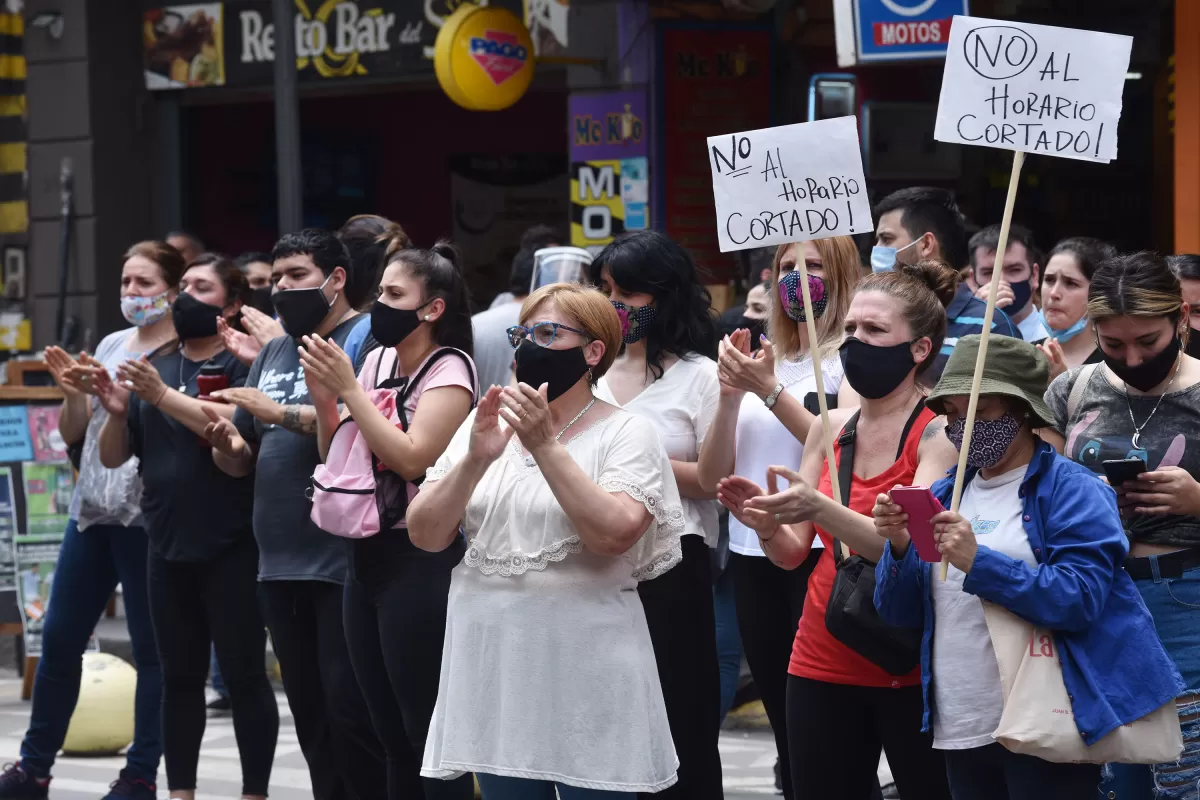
[353,494]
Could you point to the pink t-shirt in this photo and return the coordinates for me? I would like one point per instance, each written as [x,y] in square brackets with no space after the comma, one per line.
[449,370]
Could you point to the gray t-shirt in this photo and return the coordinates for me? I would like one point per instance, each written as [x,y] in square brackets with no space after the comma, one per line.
[1101,430]
[493,352]
[290,546]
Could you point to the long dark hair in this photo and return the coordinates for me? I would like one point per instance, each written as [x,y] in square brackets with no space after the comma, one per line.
[368,238]
[439,270]
[650,263]
[1088,253]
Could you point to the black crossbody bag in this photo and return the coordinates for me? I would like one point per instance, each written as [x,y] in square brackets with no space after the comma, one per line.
[850,616]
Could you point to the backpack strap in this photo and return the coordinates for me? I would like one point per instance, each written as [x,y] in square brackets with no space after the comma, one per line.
[1078,386]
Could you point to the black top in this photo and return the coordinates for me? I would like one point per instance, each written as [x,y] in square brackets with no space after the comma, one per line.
[193,510]
[290,546]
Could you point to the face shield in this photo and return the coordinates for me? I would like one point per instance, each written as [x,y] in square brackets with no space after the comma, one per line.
[559,265]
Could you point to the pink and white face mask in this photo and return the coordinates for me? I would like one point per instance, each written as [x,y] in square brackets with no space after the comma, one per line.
[142,311]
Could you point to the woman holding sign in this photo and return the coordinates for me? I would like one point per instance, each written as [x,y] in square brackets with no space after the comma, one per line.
[846,697]
[1132,419]
[763,418]
[1038,536]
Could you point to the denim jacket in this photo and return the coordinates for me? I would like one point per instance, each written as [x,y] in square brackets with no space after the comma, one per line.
[1114,666]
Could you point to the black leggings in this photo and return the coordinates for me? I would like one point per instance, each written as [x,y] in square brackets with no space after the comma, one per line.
[769,602]
[191,605]
[836,732]
[333,726]
[395,615]
[679,612]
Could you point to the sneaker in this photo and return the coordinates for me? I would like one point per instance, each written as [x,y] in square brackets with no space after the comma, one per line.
[778,778]
[127,786]
[17,784]
[219,706]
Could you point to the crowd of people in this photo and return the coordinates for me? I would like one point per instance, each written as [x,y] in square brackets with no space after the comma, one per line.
[528,548]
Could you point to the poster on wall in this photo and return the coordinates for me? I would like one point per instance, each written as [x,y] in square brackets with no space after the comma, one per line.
[495,198]
[47,442]
[233,43]
[48,489]
[8,529]
[182,46]
[547,23]
[610,189]
[717,81]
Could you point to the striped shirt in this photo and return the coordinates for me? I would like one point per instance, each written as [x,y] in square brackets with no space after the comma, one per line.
[964,316]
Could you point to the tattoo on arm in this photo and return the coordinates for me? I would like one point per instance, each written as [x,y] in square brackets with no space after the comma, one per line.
[935,426]
[300,419]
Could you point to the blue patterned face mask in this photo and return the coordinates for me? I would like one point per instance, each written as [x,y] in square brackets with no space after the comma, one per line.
[635,322]
[989,443]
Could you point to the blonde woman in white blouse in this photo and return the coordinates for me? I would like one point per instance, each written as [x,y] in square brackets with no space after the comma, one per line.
[548,673]
[665,375]
[761,420]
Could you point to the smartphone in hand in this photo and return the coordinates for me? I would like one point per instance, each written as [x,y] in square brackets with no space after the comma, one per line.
[1120,470]
[921,506]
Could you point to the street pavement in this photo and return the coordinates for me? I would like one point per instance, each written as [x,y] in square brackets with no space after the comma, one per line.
[748,759]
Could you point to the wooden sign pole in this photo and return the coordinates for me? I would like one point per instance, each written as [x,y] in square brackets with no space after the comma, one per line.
[814,352]
[1001,247]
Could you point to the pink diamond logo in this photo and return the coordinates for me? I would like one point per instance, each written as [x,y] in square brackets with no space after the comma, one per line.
[500,54]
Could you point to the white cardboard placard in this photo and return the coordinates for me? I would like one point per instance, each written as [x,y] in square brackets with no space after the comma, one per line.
[1036,88]
[788,184]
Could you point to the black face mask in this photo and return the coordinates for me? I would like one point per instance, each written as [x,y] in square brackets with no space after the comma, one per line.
[391,326]
[261,299]
[559,369]
[1193,345]
[1151,372]
[875,371]
[301,311]
[194,319]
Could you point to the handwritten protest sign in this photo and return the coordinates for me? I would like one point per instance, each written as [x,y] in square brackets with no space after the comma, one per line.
[789,184]
[1033,88]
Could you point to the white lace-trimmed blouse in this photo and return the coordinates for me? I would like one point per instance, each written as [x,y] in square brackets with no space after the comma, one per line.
[548,671]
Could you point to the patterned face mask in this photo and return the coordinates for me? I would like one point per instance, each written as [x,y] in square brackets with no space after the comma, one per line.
[989,443]
[142,311]
[793,301]
[635,322]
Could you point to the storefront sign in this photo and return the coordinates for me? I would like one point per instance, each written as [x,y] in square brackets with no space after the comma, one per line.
[233,43]
[484,58]
[715,80]
[893,30]
[1033,88]
[609,169]
[789,184]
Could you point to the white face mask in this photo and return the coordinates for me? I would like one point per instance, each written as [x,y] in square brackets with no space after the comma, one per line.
[143,311]
[883,259]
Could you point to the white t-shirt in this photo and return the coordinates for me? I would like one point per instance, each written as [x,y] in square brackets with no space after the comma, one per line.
[967,697]
[681,404]
[763,441]
[548,671]
[1033,328]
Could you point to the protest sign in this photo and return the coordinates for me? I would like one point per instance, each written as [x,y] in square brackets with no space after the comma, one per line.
[1033,88]
[789,184]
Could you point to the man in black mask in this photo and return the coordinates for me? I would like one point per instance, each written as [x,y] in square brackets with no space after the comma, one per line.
[302,568]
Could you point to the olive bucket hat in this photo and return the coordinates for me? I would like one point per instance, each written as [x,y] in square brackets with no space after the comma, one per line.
[1013,367]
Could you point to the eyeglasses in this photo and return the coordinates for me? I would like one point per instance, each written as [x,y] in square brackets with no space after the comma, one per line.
[543,334]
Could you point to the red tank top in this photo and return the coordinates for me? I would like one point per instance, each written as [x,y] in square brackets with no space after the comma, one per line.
[815,653]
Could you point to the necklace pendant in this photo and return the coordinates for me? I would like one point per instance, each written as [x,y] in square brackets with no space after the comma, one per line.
[1136,442]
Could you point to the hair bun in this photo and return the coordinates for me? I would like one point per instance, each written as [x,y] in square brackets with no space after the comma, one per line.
[940,277]
[446,249]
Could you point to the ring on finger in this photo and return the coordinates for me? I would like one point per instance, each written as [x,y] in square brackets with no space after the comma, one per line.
[779,517]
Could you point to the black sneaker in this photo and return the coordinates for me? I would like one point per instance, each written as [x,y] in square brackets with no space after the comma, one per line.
[17,784]
[219,706]
[778,778]
[127,786]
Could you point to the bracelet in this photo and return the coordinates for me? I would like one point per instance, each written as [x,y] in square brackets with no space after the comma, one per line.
[770,400]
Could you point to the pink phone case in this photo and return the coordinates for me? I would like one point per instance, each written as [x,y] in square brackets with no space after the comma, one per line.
[921,506]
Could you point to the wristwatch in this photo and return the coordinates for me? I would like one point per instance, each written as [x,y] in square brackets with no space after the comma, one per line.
[770,400]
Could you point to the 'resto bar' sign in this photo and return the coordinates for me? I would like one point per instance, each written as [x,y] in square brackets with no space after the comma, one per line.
[233,43]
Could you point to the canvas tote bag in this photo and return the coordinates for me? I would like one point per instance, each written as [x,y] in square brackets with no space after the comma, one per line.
[1037,718]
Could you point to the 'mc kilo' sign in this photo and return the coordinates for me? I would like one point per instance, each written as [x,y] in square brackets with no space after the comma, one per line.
[1033,88]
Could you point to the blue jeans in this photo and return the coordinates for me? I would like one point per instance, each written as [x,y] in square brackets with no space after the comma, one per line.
[498,787]
[214,671]
[1175,605]
[729,640]
[90,564]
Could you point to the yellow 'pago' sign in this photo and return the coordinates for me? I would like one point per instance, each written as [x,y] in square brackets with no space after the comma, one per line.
[483,58]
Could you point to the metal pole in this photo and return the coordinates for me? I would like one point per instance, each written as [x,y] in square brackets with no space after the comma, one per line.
[287,119]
